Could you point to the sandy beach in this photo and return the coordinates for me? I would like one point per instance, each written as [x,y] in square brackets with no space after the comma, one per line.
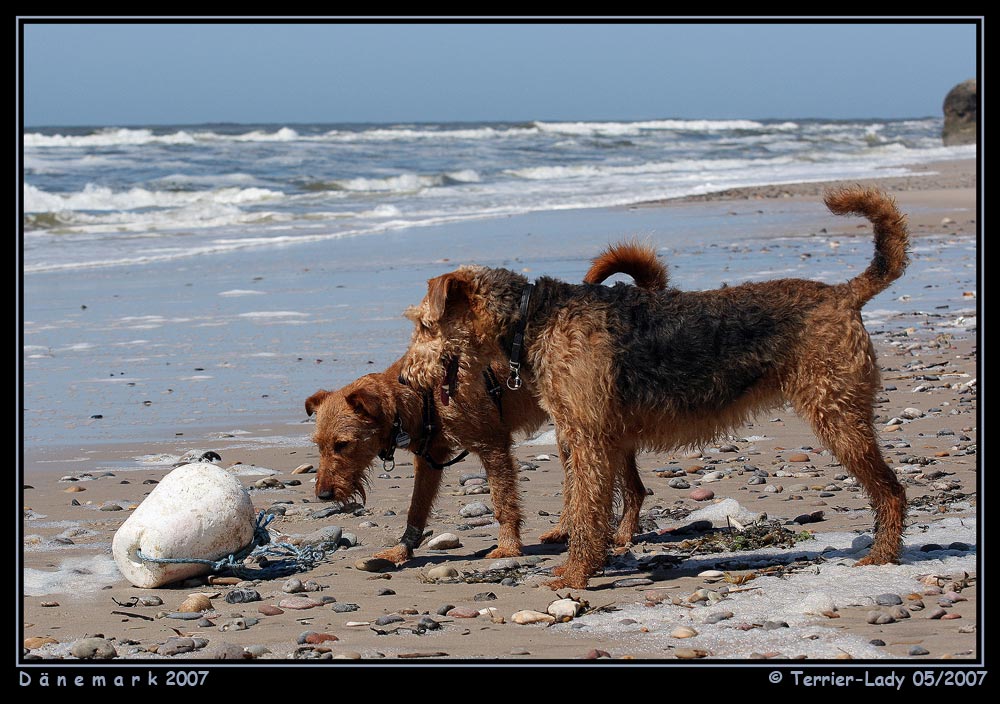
[102,427]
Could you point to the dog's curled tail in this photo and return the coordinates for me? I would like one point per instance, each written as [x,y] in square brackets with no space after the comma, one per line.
[637,260]
[891,238]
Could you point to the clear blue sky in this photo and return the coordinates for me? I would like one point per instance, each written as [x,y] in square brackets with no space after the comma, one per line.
[131,74]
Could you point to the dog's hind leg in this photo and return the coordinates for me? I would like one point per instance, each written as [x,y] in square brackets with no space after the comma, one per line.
[633,494]
[835,391]
[501,472]
[560,534]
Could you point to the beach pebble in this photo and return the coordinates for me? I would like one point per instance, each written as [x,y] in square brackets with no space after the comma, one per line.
[528,616]
[911,413]
[242,596]
[269,610]
[326,538]
[877,642]
[485,596]
[918,650]
[519,651]
[320,638]
[564,609]
[429,623]
[596,654]
[701,494]
[683,632]
[678,483]
[292,586]
[93,649]
[110,506]
[879,617]
[182,615]
[774,625]
[631,582]
[235,624]
[475,509]
[937,613]
[689,653]
[462,612]
[798,457]
[442,572]
[304,469]
[38,642]
[224,651]
[74,489]
[445,541]
[466,478]
[814,517]
[299,603]
[718,616]
[899,612]
[195,603]
[443,610]
[176,646]
[506,563]
[374,564]
[387,619]
[888,599]
[257,651]
[384,591]
[949,617]
[344,607]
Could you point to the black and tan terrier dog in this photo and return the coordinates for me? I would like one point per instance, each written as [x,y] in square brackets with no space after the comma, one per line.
[621,369]
[372,416]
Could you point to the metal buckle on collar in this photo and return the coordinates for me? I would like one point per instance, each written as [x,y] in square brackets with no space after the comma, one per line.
[514,380]
[399,438]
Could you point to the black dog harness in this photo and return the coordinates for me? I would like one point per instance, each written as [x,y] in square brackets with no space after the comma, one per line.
[398,437]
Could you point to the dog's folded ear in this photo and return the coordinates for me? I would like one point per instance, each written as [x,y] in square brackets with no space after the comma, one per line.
[365,403]
[313,402]
[443,291]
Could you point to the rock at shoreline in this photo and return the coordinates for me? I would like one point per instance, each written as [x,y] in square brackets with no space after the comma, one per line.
[960,114]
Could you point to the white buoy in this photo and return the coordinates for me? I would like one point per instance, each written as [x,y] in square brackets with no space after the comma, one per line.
[198,510]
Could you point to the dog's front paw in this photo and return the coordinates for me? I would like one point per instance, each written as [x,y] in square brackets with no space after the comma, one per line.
[500,552]
[398,554]
[873,558]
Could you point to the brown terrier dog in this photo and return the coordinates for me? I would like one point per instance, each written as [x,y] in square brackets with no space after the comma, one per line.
[375,414]
[621,369]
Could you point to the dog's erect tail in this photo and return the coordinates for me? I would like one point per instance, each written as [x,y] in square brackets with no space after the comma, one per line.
[637,260]
[891,238]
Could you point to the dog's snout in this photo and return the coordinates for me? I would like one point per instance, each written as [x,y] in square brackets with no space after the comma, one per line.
[325,495]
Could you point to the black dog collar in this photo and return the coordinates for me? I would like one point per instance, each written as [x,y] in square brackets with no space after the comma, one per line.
[517,343]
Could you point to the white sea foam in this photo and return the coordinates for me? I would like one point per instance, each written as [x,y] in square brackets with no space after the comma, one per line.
[403,183]
[232,293]
[94,197]
[269,314]
[106,138]
[402,134]
[633,128]
[75,575]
